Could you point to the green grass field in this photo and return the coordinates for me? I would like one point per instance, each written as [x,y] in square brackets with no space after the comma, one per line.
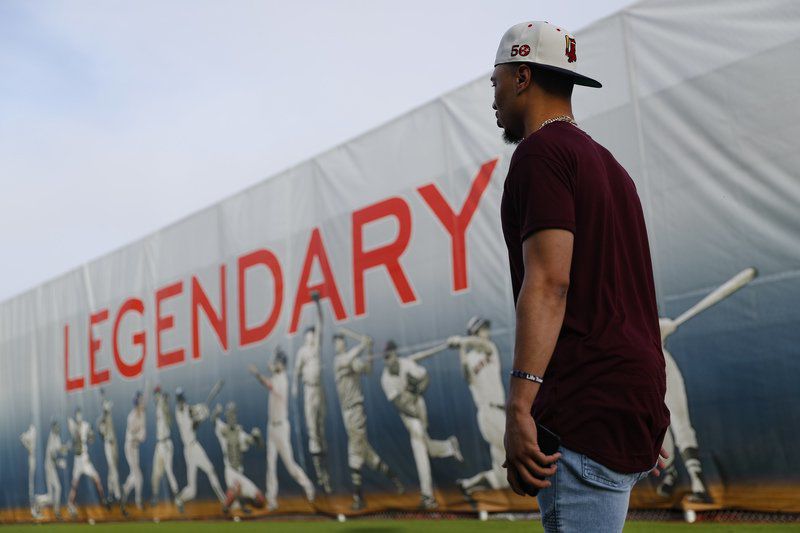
[378,526]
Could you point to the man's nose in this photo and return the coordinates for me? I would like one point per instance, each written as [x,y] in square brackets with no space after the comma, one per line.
[494,106]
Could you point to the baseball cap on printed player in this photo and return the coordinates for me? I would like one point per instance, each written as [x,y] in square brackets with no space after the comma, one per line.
[545,45]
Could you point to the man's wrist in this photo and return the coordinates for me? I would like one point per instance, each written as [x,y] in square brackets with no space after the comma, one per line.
[522,394]
[519,408]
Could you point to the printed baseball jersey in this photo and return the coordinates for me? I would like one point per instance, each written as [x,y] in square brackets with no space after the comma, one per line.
[312,369]
[135,430]
[80,436]
[53,449]
[162,419]
[278,410]
[393,385]
[234,442]
[106,427]
[185,422]
[348,368]
[29,439]
[483,374]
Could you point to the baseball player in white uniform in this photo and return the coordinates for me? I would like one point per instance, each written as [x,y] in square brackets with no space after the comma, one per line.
[135,433]
[308,367]
[279,430]
[82,436]
[28,440]
[234,442]
[105,427]
[680,433]
[53,460]
[187,418]
[349,367]
[404,382]
[162,456]
[480,362]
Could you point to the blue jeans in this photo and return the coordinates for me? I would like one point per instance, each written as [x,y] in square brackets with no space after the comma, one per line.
[585,496]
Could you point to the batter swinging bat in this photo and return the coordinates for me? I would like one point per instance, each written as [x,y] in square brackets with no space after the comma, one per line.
[717,295]
[214,391]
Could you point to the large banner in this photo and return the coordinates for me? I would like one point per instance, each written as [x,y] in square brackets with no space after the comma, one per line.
[337,339]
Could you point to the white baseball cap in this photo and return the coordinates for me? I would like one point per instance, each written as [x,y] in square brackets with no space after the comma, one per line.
[545,45]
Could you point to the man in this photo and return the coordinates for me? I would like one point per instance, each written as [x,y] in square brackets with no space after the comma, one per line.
[135,433]
[82,436]
[404,382]
[308,366]
[105,426]
[188,417]
[162,456]
[28,440]
[681,433]
[279,443]
[587,357]
[234,441]
[348,368]
[480,362]
[54,454]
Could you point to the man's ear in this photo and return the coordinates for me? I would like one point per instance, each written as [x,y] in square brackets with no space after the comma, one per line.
[522,77]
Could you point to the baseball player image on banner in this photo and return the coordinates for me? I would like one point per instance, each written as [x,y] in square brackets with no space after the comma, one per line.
[404,382]
[480,362]
[279,430]
[188,418]
[54,454]
[82,435]
[308,369]
[162,456]
[349,367]
[135,433]
[28,440]
[234,442]
[681,435]
[105,427]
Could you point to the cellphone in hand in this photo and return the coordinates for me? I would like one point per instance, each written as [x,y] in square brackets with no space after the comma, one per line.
[548,443]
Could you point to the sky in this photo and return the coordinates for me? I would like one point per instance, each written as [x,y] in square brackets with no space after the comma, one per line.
[118,118]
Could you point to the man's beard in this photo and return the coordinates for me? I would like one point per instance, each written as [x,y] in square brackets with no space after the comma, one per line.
[512,138]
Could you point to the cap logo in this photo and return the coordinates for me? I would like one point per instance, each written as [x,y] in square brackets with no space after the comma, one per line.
[569,51]
[522,50]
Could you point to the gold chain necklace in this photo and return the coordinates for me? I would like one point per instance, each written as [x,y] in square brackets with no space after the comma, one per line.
[561,118]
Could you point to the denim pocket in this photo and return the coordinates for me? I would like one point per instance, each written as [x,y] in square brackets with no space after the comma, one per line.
[597,474]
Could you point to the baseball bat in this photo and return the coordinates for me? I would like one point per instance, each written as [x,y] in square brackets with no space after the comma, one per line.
[350,333]
[214,391]
[717,295]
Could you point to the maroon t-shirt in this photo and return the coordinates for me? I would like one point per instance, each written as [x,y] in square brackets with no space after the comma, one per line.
[603,391]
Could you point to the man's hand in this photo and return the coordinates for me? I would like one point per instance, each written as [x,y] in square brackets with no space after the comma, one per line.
[258,440]
[660,465]
[524,459]
[253,369]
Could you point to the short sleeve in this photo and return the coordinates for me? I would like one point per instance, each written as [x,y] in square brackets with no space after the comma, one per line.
[543,195]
